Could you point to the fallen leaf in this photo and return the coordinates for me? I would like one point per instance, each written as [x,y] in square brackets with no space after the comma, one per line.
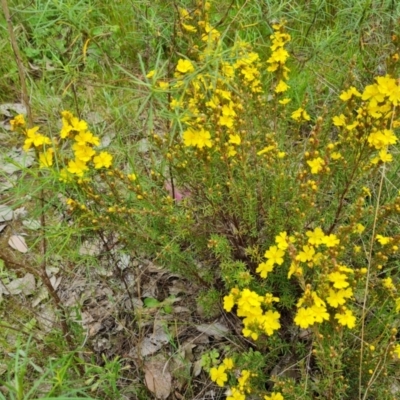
[25,285]
[106,140]
[6,213]
[41,295]
[93,118]
[8,184]
[15,161]
[90,248]
[55,281]
[215,329]
[17,242]
[124,261]
[20,212]
[6,108]
[153,342]
[158,378]
[197,367]
[178,286]
[31,224]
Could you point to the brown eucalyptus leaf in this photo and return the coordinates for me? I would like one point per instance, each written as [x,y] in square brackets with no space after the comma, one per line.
[6,213]
[17,242]
[215,329]
[158,378]
[25,285]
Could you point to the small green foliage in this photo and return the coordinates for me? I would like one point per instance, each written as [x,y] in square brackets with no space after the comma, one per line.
[209,359]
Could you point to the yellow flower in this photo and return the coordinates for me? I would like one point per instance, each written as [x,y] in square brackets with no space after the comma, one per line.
[270,322]
[359,228]
[18,121]
[264,268]
[346,319]
[234,139]
[320,313]
[83,152]
[235,394]
[132,177]
[163,85]
[35,138]
[228,363]
[280,55]
[46,158]
[316,165]
[300,114]
[330,241]
[336,156]
[104,159]
[285,101]
[398,305]
[384,156]
[184,66]
[282,241]
[307,254]
[76,167]
[338,298]
[282,86]
[78,125]
[266,150]
[225,120]
[231,151]
[274,255]
[383,239]
[64,175]
[274,396]
[348,94]
[189,28]
[84,137]
[338,280]
[229,302]
[295,269]
[388,283]
[397,350]
[316,236]
[218,375]
[339,120]
[151,73]
[304,317]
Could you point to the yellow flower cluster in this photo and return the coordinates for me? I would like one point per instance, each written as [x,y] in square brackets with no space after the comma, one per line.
[211,107]
[278,59]
[311,307]
[77,130]
[251,307]
[209,104]
[376,116]
[187,23]
[274,396]
[36,139]
[74,129]
[219,375]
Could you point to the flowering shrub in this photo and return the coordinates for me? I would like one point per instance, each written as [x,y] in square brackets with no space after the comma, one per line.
[290,210]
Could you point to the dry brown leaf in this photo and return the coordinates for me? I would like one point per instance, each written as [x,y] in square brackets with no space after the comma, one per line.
[25,285]
[17,242]
[158,378]
[6,213]
[215,329]
[155,340]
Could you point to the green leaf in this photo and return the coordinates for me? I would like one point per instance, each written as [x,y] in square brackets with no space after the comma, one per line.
[150,302]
